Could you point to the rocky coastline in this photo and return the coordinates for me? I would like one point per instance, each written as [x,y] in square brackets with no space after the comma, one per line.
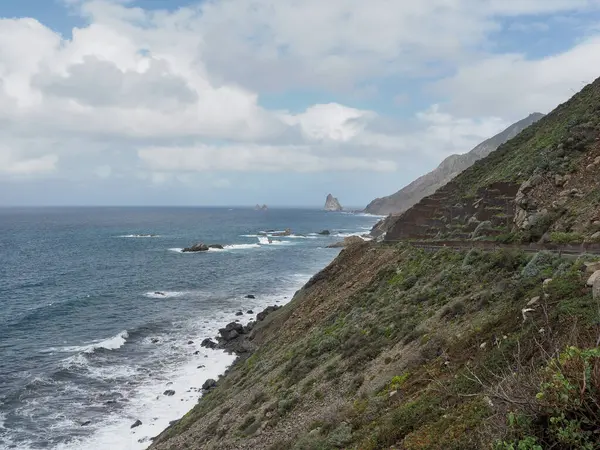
[235,338]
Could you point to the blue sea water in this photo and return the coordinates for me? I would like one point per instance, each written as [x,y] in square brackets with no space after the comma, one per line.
[88,346]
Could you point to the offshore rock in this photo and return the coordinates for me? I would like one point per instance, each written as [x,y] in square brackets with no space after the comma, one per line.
[200,247]
[332,204]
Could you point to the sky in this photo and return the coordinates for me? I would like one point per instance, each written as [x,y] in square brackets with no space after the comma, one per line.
[238,102]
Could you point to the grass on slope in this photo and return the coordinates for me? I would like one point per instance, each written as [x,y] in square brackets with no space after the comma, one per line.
[435,353]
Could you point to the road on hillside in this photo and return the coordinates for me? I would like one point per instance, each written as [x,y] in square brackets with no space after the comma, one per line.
[567,249]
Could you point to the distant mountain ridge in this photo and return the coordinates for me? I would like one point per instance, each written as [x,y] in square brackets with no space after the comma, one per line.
[445,172]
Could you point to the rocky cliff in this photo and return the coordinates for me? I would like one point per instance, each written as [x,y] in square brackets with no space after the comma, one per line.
[399,346]
[542,184]
[446,171]
[332,204]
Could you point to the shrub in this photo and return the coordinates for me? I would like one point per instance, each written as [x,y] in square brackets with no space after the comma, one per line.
[341,436]
[541,265]
[568,411]
[566,238]
[454,310]
[286,405]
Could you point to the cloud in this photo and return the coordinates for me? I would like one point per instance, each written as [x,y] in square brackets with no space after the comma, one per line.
[165,96]
[98,83]
[330,122]
[14,164]
[511,85]
[254,158]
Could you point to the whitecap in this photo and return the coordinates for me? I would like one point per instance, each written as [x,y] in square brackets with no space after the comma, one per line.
[344,235]
[241,246]
[270,241]
[112,343]
[140,236]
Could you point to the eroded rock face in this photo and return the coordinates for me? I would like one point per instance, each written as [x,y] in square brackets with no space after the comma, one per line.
[527,215]
[332,204]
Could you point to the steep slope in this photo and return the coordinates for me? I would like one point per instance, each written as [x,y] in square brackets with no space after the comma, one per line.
[396,346]
[446,171]
[392,346]
[542,184]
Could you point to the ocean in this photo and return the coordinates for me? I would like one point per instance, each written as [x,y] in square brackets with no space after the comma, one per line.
[98,319]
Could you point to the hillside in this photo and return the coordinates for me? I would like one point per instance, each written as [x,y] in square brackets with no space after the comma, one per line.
[542,184]
[446,171]
[396,346]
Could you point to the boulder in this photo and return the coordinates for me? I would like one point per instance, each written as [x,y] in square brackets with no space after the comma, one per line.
[216,246]
[209,384]
[596,289]
[155,340]
[239,313]
[200,247]
[592,279]
[86,423]
[231,331]
[250,296]
[190,342]
[249,312]
[169,393]
[208,343]
[591,267]
[136,424]
[268,310]
[324,232]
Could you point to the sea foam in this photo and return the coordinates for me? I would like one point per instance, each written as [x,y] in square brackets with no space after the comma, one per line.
[112,343]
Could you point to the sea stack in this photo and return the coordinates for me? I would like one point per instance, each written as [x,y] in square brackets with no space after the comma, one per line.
[332,204]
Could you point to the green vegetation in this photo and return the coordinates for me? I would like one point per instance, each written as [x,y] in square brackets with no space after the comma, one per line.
[424,356]
[566,238]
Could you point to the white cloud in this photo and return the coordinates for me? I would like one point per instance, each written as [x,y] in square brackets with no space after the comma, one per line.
[330,122]
[254,158]
[13,163]
[165,95]
[513,86]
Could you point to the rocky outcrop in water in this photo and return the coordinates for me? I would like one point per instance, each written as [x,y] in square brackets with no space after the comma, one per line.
[200,247]
[332,204]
